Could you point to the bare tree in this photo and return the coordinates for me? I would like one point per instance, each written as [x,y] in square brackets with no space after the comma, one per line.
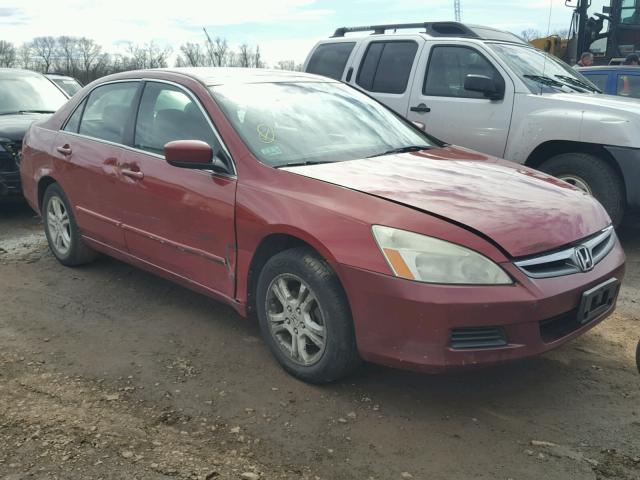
[530,34]
[24,56]
[257,61]
[44,49]
[220,52]
[8,54]
[192,55]
[67,53]
[245,56]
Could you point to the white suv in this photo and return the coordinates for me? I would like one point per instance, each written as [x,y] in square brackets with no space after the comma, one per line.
[489,90]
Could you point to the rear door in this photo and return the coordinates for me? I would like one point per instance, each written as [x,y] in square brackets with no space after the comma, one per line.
[90,147]
[453,114]
[384,67]
[178,219]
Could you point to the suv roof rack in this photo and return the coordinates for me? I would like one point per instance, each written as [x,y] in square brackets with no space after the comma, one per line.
[434,29]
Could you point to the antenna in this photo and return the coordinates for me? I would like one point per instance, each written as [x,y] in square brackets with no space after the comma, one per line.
[457,10]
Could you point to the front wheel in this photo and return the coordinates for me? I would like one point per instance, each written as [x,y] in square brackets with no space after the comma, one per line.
[591,175]
[305,318]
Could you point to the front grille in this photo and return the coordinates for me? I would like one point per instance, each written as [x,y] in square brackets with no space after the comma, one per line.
[478,337]
[8,158]
[554,328]
[566,261]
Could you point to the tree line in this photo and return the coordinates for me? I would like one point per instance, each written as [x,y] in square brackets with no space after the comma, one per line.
[83,58]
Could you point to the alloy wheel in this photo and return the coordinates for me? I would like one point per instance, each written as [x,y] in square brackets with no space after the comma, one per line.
[59,226]
[296,320]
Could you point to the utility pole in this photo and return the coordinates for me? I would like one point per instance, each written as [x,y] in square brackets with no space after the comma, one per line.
[457,11]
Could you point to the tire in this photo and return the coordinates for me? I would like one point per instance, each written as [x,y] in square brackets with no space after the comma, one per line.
[318,315]
[61,229]
[602,181]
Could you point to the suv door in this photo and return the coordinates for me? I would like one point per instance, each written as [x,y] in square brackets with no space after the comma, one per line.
[178,219]
[452,113]
[385,67]
[89,144]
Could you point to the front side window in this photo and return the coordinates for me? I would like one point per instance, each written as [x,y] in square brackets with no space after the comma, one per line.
[630,12]
[287,123]
[166,114]
[330,59]
[629,85]
[386,66]
[108,111]
[28,92]
[448,68]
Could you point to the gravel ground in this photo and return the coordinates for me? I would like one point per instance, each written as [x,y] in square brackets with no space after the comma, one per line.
[109,372]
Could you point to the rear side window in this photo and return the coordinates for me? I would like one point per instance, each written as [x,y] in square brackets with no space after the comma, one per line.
[330,59]
[629,86]
[166,114]
[74,120]
[108,110]
[599,80]
[386,66]
[448,68]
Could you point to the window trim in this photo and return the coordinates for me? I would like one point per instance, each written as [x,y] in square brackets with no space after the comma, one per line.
[129,134]
[375,73]
[468,47]
[81,105]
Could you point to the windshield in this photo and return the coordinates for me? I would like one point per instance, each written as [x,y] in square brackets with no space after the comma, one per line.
[25,93]
[313,122]
[542,73]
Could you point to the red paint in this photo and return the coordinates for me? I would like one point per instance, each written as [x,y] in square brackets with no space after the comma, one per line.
[202,229]
[188,151]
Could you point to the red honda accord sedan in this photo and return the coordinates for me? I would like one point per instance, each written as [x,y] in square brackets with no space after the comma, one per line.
[348,231]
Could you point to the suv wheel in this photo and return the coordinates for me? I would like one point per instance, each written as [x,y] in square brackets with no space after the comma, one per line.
[305,318]
[592,175]
[61,229]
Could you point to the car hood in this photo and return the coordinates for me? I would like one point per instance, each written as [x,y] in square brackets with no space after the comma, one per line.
[522,210]
[601,102]
[14,126]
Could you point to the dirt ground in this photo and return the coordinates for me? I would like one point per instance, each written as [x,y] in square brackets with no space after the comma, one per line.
[109,372]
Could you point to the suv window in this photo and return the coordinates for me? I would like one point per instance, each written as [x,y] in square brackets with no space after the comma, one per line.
[330,59]
[449,66]
[599,80]
[107,111]
[386,66]
[74,120]
[166,114]
[629,85]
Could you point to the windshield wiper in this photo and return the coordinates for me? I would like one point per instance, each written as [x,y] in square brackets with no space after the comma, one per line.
[578,83]
[302,164]
[545,80]
[409,148]
[16,112]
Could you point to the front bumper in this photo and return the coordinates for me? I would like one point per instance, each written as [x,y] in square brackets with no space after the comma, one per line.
[409,325]
[9,183]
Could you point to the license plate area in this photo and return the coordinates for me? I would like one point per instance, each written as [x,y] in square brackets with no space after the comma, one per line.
[598,300]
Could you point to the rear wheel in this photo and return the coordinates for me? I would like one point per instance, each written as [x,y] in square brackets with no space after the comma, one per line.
[591,175]
[61,229]
[305,318]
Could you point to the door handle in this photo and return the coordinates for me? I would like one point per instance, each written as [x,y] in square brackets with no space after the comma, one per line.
[138,175]
[422,108]
[64,150]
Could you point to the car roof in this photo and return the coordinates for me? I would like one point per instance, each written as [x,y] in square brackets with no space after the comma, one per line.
[613,68]
[211,76]
[19,71]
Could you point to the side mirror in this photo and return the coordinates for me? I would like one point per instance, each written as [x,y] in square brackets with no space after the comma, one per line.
[492,89]
[194,154]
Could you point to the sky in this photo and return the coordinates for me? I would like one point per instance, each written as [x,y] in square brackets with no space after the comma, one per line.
[284,29]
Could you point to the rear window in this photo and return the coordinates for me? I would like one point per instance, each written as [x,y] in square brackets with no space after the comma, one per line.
[330,59]
[386,66]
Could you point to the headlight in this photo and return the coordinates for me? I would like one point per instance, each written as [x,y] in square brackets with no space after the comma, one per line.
[427,259]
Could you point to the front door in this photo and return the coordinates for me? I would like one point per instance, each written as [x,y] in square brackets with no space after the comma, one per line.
[453,114]
[178,219]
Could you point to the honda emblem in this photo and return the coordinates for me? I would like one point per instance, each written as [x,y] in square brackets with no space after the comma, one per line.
[584,259]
